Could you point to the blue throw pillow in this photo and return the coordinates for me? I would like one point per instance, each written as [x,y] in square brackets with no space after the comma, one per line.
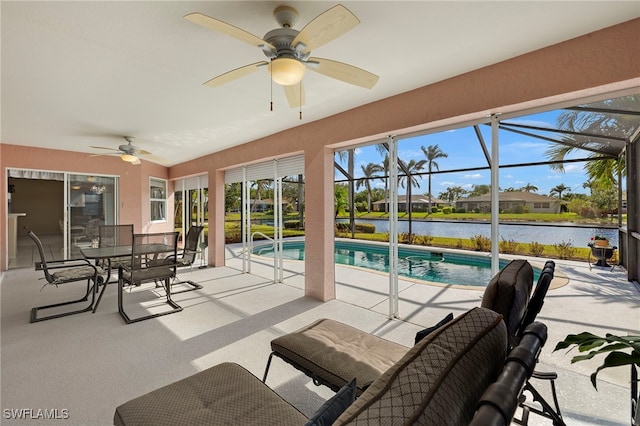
[421,334]
[331,410]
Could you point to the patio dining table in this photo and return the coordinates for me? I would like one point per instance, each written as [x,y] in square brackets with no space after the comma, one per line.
[115,252]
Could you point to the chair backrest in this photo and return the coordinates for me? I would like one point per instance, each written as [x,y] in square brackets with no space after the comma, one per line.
[115,235]
[539,293]
[43,259]
[508,294]
[191,244]
[150,249]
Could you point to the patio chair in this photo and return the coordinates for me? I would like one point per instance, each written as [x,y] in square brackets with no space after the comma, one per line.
[152,260]
[427,385]
[113,236]
[533,308]
[62,272]
[332,353]
[188,256]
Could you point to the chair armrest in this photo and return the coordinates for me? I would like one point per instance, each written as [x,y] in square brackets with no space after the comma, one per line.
[545,375]
[67,263]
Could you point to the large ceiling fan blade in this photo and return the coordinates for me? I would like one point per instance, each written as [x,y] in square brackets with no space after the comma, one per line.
[228,29]
[234,74]
[325,27]
[295,95]
[344,72]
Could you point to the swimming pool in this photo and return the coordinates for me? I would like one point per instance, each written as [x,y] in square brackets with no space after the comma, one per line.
[417,263]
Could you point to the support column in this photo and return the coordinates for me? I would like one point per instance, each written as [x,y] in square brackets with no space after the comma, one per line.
[633,211]
[393,227]
[495,197]
[319,225]
[216,218]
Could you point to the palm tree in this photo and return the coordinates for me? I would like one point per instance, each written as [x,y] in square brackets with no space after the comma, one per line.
[350,154]
[408,177]
[559,189]
[452,194]
[529,188]
[432,152]
[368,172]
[261,185]
[602,170]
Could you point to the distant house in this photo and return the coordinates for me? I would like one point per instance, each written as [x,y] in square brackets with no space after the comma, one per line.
[513,202]
[419,203]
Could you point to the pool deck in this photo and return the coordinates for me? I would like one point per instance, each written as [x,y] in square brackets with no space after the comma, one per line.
[89,364]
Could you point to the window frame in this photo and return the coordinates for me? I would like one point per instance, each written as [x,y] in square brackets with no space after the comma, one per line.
[154,201]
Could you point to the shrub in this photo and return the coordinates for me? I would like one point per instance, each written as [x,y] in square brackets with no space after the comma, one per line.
[509,246]
[565,250]
[434,209]
[481,243]
[446,210]
[518,209]
[366,228]
[459,243]
[536,249]
[291,224]
[423,240]
[461,210]
[343,227]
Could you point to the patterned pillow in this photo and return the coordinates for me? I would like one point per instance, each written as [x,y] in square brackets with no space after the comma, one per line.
[441,379]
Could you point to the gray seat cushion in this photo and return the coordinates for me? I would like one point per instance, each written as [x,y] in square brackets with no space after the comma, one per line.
[441,379]
[221,395]
[508,294]
[336,353]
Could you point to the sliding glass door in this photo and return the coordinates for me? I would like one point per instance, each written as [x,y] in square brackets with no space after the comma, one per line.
[91,202]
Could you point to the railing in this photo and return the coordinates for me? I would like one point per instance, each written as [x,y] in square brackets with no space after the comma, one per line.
[276,255]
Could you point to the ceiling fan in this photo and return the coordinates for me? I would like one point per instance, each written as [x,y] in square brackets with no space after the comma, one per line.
[289,50]
[128,152]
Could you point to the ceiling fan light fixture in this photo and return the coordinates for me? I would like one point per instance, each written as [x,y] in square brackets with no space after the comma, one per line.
[286,71]
[129,158]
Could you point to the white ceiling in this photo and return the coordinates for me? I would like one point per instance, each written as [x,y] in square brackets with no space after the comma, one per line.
[76,74]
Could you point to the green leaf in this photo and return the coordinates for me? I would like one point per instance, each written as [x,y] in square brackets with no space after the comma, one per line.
[615,359]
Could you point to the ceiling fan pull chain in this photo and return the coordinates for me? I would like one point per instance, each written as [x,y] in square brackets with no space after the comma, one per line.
[300,93]
[271,102]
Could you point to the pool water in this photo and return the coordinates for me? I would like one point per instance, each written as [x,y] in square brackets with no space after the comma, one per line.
[416,263]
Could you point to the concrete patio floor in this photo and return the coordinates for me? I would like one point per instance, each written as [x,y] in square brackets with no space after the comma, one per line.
[88,364]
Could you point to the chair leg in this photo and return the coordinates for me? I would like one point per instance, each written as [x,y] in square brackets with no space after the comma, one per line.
[266,371]
[91,289]
[546,411]
[167,286]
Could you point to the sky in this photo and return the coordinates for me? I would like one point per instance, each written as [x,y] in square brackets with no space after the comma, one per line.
[464,151]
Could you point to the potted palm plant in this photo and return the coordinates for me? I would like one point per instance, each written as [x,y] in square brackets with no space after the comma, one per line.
[618,354]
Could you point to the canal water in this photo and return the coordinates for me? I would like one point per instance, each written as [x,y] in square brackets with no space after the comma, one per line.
[543,233]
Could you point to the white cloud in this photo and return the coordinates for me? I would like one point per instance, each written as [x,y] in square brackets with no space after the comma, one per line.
[473,176]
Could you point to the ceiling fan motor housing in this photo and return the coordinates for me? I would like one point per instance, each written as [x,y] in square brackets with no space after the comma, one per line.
[281,38]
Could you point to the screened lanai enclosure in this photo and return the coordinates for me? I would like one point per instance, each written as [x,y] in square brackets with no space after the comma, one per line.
[578,160]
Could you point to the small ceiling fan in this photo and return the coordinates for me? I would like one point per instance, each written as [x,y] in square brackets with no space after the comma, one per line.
[289,50]
[128,152]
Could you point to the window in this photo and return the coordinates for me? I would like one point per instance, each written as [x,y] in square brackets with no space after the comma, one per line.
[158,199]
